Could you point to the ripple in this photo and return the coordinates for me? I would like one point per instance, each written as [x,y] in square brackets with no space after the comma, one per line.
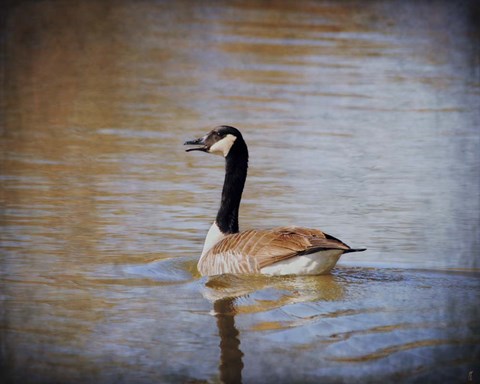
[404,347]
[363,275]
[175,270]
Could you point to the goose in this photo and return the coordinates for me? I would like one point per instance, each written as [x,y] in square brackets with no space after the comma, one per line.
[287,250]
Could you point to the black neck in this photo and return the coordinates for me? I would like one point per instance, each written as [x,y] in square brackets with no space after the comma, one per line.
[236,164]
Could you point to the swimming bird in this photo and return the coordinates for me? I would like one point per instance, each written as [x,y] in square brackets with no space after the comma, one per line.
[278,251]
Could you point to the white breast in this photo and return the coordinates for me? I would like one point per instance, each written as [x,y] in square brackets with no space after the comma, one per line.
[214,235]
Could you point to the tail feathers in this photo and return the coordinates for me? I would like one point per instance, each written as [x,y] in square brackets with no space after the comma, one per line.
[355,250]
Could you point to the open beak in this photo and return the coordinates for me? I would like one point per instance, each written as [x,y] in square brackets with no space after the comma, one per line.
[200,142]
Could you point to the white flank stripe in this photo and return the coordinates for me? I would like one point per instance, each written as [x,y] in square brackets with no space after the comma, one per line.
[313,264]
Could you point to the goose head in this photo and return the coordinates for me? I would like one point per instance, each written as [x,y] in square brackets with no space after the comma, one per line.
[221,140]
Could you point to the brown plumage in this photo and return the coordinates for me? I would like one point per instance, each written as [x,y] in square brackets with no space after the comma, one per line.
[252,250]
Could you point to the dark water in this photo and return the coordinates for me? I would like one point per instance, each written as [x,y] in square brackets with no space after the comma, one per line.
[362,119]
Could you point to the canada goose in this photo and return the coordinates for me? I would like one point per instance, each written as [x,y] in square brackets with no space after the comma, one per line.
[277,251]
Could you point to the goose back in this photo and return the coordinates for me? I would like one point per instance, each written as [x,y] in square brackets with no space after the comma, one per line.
[252,250]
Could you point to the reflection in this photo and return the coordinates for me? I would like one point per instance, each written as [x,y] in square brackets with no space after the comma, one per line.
[261,293]
[230,354]
[224,290]
[234,286]
[239,294]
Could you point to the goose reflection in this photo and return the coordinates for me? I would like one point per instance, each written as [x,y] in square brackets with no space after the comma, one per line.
[226,290]
[231,363]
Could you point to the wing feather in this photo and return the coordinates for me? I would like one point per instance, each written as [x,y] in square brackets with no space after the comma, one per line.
[250,251]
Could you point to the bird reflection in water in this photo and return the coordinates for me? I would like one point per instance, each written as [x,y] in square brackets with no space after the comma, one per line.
[223,291]
[259,294]
[230,354]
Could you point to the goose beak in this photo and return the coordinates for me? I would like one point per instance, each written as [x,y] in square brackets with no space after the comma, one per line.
[200,141]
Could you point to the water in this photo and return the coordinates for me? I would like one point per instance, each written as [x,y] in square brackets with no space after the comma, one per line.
[361,119]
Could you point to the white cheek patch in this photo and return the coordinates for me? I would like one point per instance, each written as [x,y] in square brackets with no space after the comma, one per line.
[223,146]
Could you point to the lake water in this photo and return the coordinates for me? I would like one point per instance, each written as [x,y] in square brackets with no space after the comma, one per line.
[362,119]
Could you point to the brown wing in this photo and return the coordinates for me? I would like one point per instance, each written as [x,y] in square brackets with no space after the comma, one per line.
[287,242]
[250,251]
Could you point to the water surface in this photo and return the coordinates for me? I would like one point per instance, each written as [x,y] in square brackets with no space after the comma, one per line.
[361,119]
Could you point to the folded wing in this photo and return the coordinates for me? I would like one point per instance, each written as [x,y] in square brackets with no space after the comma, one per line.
[250,251]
